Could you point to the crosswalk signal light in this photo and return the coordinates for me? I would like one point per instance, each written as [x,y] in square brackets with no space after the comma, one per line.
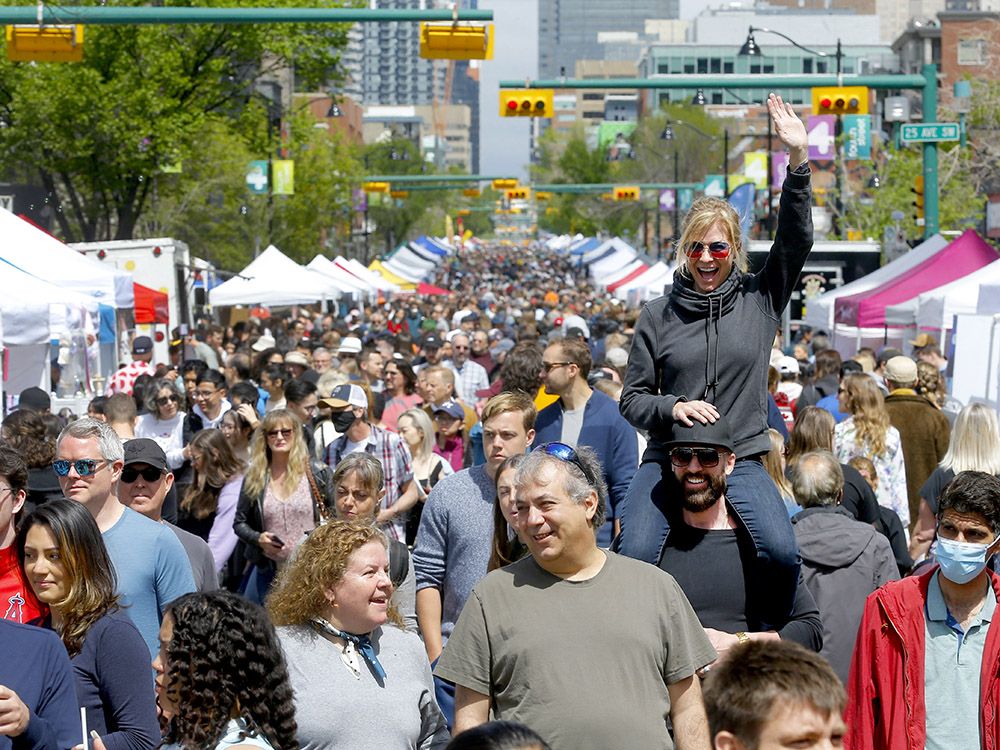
[518,194]
[626,193]
[526,102]
[840,100]
[918,197]
[504,184]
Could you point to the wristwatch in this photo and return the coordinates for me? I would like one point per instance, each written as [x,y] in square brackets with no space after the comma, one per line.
[742,637]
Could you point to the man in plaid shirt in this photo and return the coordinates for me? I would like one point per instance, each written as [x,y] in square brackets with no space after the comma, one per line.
[470,376]
[351,415]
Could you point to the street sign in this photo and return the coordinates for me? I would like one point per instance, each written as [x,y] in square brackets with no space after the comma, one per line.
[821,137]
[715,186]
[926,132]
[668,200]
[755,168]
[257,176]
[858,144]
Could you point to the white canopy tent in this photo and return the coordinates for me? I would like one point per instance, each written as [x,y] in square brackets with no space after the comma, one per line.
[274,279]
[936,309]
[637,264]
[408,274]
[30,249]
[615,243]
[650,284]
[348,282]
[355,267]
[606,267]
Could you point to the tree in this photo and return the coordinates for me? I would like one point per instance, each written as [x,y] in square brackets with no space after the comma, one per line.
[95,133]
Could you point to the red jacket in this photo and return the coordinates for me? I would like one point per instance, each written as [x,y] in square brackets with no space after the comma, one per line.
[885,689]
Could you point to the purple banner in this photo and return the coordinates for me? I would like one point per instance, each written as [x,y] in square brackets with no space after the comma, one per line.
[668,199]
[779,165]
[821,137]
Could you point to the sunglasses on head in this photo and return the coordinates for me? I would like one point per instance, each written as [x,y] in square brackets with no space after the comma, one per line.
[564,453]
[718,250]
[164,400]
[85,467]
[707,457]
[149,474]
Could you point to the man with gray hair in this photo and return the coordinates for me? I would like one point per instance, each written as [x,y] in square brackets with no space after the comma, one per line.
[150,563]
[843,560]
[572,627]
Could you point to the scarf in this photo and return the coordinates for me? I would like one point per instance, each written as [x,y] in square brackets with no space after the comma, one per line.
[361,642]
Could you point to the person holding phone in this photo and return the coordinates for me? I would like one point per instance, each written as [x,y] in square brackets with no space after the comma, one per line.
[285,495]
[64,559]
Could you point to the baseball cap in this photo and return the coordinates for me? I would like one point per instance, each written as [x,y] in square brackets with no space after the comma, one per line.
[34,399]
[901,370]
[503,345]
[142,345]
[346,394]
[264,342]
[788,366]
[350,345]
[924,339]
[714,434]
[432,341]
[452,408]
[145,451]
[296,358]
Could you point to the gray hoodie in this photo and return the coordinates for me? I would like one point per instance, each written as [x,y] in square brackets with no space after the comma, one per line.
[843,561]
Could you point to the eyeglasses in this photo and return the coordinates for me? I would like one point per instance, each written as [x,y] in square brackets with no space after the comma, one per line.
[564,453]
[149,474]
[459,348]
[707,457]
[85,467]
[718,250]
[550,366]
[285,432]
[164,400]
[205,394]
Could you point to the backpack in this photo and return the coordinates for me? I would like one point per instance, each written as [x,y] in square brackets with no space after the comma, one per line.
[399,562]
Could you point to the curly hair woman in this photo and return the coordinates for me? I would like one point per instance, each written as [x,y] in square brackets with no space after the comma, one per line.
[867,432]
[63,556]
[359,681]
[221,677]
[26,432]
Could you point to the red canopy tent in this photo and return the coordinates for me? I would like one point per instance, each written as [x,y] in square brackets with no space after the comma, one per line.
[423,288]
[151,307]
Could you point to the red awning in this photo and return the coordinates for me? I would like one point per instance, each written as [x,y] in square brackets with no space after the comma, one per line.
[631,277]
[423,288]
[151,306]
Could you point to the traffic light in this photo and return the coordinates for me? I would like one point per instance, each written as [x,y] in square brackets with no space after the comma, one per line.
[504,184]
[375,187]
[471,192]
[918,197]
[399,194]
[541,195]
[449,41]
[526,102]
[518,194]
[840,100]
[625,193]
[58,43]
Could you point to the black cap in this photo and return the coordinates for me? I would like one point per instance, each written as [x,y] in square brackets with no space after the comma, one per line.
[142,345]
[34,399]
[431,341]
[145,451]
[715,434]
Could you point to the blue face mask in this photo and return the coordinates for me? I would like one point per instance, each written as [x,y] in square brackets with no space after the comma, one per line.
[960,561]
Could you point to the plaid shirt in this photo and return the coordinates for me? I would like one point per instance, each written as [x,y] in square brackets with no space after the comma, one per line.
[394,455]
[469,378]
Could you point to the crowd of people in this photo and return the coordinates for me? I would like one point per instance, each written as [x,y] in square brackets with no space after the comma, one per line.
[519,516]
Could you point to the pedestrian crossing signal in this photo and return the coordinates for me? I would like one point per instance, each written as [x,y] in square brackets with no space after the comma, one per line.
[518,194]
[626,193]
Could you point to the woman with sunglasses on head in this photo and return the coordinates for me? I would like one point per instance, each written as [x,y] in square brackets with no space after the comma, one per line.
[702,351]
[67,565]
[285,495]
[221,678]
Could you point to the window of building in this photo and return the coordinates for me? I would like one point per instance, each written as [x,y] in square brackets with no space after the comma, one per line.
[702,64]
[592,97]
[971,51]
[821,66]
[688,68]
[716,65]
[716,97]
[767,68]
[663,68]
[593,115]
[565,118]
[727,67]
[807,65]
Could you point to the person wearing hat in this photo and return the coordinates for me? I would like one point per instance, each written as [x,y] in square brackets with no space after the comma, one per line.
[788,371]
[34,399]
[144,483]
[141,364]
[351,418]
[708,549]
[449,418]
[350,346]
[924,430]
[297,365]
[430,349]
[926,349]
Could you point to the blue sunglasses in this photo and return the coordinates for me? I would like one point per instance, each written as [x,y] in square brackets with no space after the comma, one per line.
[564,453]
[85,467]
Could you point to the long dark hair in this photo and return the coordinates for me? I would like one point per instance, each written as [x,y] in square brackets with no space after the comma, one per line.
[504,550]
[92,582]
[224,653]
[202,498]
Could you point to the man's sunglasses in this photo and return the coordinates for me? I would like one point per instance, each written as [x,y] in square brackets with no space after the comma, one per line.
[564,453]
[718,250]
[149,474]
[707,457]
[164,400]
[85,467]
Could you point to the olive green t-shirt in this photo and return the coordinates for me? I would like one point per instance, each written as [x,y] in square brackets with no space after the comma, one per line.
[585,664]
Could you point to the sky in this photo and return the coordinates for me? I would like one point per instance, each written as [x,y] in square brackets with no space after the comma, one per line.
[504,142]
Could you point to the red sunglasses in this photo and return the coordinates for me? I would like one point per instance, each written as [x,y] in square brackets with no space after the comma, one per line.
[718,250]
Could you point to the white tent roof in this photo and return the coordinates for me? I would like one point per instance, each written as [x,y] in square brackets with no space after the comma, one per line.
[30,249]
[35,311]
[622,272]
[615,243]
[406,258]
[819,311]
[274,279]
[340,277]
[655,277]
[935,309]
[607,266]
[404,272]
[361,272]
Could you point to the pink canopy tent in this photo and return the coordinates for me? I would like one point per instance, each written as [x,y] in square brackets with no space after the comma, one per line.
[966,254]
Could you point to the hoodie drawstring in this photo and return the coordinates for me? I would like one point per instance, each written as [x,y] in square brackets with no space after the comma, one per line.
[712,358]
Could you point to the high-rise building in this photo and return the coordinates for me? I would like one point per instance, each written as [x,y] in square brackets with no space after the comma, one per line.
[568,29]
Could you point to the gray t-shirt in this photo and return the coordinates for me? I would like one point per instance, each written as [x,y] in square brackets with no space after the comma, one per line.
[571,426]
[206,578]
[586,664]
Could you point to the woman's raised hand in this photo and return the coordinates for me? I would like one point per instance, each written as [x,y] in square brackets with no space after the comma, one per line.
[789,129]
[704,412]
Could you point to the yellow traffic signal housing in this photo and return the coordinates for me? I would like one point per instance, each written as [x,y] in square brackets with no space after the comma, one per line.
[60,43]
[526,102]
[504,184]
[471,192]
[375,187]
[840,100]
[449,41]
[625,193]
[519,194]
[400,194]
[918,196]
[542,195]
[464,212]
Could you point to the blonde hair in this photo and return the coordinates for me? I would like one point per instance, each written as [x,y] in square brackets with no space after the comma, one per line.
[423,423]
[703,215]
[299,594]
[866,406]
[772,462]
[259,465]
[975,441]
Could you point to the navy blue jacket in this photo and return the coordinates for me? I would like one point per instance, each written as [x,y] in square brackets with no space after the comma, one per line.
[34,664]
[612,438]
